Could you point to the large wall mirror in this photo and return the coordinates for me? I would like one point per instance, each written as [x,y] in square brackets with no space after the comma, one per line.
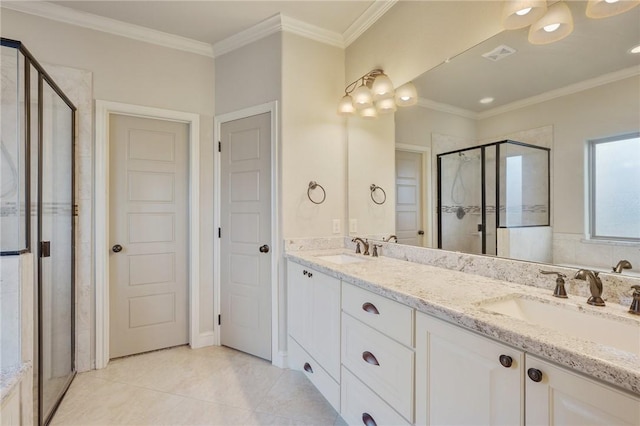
[566,97]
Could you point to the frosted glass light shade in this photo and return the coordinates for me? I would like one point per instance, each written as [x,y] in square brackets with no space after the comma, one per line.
[382,87]
[387,105]
[345,106]
[603,9]
[406,95]
[370,112]
[521,13]
[362,98]
[555,25]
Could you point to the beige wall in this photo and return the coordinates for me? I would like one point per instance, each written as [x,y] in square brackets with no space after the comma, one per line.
[249,76]
[134,72]
[313,141]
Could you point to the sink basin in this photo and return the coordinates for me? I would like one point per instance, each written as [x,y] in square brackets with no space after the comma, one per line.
[621,333]
[342,259]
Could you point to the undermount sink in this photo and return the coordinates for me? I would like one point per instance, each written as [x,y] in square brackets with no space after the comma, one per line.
[623,334]
[342,259]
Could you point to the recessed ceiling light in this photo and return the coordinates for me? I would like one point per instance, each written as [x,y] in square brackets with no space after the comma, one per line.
[635,49]
[486,100]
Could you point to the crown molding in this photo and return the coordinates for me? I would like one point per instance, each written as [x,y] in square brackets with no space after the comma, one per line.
[260,30]
[312,32]
[263,29]
[563,91]
[108,25]
[449,109]
[543,97]
[366,20]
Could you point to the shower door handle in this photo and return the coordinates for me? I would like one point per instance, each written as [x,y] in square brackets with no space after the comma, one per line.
[45,248]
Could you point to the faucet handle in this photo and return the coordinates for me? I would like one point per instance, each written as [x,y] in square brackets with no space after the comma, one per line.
[635,303]
[358,251]
[559,291]
[375,250]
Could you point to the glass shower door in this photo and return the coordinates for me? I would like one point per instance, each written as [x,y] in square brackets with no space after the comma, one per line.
[56,248]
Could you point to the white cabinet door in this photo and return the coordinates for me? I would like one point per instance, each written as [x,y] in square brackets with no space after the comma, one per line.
[562,397]
[460,378]
[314,315]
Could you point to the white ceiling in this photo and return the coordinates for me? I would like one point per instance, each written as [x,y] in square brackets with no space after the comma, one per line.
[596,48]
[213,21]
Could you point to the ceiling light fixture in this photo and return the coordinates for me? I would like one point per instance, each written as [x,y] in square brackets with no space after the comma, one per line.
[486,100]
[520,13]
[604,8]
[635,49]
[555,25]
[373,94]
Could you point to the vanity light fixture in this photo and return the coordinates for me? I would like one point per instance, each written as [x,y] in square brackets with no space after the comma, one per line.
[604,8]
[373,94]
[521,13]
[555,25]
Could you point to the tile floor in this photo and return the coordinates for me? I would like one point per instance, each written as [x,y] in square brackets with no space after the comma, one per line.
[183,386]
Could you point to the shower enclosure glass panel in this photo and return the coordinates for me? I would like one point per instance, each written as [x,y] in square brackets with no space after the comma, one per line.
[56,260]
[13,152]
[481,189]
[460,196]
[524,186]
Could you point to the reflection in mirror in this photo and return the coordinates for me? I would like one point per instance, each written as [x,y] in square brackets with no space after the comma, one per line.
[557,96]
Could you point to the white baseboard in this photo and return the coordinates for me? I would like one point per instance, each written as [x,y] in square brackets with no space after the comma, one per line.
[204,339]
[281,360]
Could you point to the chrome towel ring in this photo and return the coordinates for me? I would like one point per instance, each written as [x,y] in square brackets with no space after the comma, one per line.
[373,189]
[313,185]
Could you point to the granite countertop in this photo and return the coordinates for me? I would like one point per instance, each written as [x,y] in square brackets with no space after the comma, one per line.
[457,297]
[10,377]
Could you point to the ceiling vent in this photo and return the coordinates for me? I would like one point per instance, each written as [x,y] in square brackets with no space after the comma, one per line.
[499,52]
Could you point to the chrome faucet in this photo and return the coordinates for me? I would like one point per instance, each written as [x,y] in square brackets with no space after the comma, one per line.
[365,244]
[623,264]
[595,285]
[388,240]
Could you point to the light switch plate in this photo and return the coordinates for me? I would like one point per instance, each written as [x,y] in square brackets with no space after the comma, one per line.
[353,225]
[336,226]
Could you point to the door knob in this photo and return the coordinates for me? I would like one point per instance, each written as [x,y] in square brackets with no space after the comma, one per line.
[117,248]
[264,249]
[421,232]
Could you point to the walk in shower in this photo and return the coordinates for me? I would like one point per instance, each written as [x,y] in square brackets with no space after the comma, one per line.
[37,214]
[471,183]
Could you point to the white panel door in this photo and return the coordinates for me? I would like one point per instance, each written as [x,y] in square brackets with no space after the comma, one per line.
[245,255]
[148,234]
[562,397]
[409,226]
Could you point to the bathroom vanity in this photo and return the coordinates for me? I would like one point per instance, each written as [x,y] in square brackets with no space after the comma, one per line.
[388,341]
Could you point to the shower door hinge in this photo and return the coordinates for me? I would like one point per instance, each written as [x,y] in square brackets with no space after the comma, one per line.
[219,319]
[76,210]
[219,146]
[45,248]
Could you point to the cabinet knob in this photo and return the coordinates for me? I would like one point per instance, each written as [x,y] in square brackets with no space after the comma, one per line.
[307,273]
[367,420]
[535,374]
[370,308]
[307,368]
[506,361]
[370,358]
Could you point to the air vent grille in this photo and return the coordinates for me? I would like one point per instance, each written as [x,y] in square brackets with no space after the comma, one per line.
[499,53]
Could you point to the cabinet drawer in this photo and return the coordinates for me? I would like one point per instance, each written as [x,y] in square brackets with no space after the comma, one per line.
[360,404]
[380,362]
[391,318]
[300,360]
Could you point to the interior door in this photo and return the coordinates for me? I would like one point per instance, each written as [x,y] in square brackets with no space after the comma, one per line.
[245,235]
[148,232]
[409,223]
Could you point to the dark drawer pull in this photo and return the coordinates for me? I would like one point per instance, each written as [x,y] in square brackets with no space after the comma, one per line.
[535,374]
[506,361]
[370,358]
[308,368]
[367,420]
[370,308]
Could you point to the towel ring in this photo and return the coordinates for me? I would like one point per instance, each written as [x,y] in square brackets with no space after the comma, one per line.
[373,189]
[314,185]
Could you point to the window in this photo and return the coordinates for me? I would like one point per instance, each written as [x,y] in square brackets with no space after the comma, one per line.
[614,188]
